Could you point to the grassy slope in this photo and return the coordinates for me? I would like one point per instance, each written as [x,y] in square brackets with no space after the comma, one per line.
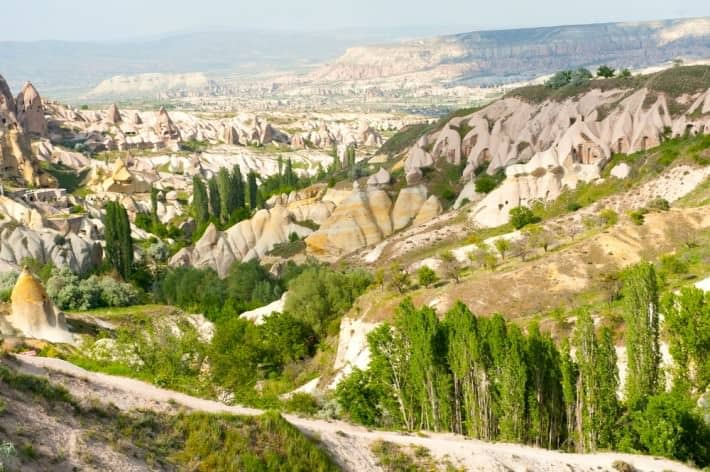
[183,441]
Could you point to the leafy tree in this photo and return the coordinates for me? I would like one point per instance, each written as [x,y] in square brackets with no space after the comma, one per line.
[426,276]
[580,76]
[605,71]
[687,327]
[538,236]
[117,233]
[360,396]
[559,80]
[640,294]
[513,378]
[669,426]
[596,408]
[450,266]
[286,339]
[569,372]
[398,278]
[289,176]
[200,203]
[625,73]
[154,206]
[521,216]
[320,295]
[502,246]
[235,354]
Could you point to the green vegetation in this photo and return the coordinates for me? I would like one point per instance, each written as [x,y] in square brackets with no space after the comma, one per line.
[67,178]
[194,441]
[605,71]
[70,292]
[119,244]
[486,378]
[675,82]
[522,216]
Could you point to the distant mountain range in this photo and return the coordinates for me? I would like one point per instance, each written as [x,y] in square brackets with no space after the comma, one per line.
[363,59]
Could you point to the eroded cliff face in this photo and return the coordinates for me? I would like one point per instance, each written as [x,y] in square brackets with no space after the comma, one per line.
[490,56]
[17,161]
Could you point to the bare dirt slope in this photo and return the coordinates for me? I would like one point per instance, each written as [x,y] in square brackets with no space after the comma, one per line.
[349,445]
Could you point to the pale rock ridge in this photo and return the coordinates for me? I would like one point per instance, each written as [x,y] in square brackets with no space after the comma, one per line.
[366,218]
[246,240]
[33,313]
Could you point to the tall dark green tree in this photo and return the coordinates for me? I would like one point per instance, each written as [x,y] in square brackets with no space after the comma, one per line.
[640,293]
[227,195]
[215,201]
[253,190]
[238,183]
[569,372]
[289,176]
[154,205]
[119,244]
[200,202]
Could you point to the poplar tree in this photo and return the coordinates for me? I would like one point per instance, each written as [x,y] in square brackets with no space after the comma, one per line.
[687,327]
[289,175]
[119,244]
[640,294]
[569,373]
[215,204]
[200,202]
[472,401]
[514,377]
[426,369]
[597,407]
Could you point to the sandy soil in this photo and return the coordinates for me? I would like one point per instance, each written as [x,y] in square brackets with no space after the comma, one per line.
[348,444]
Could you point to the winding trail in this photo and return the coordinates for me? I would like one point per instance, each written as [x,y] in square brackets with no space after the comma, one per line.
[348,444]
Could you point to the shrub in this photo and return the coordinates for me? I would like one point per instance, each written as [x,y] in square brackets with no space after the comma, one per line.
[304,403]
[426,276]
[672,264]
[605,71]
[638,216]
[608,217]
[522,216]
[359,396]
[7,283]
[573,206]
[486,183]
[660,204]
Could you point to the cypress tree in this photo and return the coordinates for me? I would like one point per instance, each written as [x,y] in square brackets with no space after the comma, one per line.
[253,191]
[119,244]
[569,381]
[215,203]
[289,175]
[227,194]
[238,184]
[200,202]
[640,293]
[154,205]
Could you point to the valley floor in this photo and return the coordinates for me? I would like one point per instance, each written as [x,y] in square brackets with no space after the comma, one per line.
[349,445]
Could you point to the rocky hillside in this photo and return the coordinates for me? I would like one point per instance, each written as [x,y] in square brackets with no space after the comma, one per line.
[488,57]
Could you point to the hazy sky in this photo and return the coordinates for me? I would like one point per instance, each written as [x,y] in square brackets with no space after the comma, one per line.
[119,19]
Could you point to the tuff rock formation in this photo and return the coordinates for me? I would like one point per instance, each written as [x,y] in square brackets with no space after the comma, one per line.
[16,159]
[33,313]
[246,240]
[30,111]
[113,116]
[365,218]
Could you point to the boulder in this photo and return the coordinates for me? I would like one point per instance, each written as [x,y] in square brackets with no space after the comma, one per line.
[379,179]
[621,171]
[33,313]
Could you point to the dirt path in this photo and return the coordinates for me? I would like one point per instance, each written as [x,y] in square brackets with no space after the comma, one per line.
[349,444]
